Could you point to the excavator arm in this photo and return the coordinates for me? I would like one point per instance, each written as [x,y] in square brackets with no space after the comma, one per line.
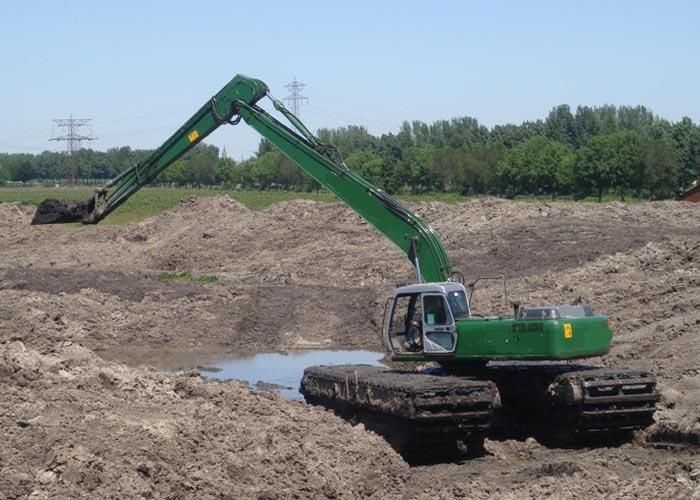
[217,111]
[238,100]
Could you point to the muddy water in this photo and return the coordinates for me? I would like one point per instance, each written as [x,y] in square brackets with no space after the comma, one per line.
[283,372]
[279,372]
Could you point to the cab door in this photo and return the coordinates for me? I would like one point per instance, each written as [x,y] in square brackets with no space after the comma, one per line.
[439,330]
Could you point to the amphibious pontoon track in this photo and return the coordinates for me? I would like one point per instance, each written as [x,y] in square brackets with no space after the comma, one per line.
[424,417]
[569,404]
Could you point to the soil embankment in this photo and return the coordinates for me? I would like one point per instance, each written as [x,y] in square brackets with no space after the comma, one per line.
[299,275]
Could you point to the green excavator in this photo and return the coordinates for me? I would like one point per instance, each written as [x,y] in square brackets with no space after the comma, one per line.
[503,373]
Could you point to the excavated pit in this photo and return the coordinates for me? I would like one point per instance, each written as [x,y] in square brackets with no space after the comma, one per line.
[74,424]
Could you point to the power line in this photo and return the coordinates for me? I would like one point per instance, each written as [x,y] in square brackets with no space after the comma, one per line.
[348,118]
[295,97]
[73,138]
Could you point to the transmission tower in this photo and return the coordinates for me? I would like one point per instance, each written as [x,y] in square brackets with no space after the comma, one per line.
[295,98]
[71,127]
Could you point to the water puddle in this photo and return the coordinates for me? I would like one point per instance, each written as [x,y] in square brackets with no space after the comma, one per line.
[282,372]
[271,371]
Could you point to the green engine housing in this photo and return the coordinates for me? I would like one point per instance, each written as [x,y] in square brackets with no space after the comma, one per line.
[509,338]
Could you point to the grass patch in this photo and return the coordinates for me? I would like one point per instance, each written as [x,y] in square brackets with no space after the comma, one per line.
[209,279]
[184,276]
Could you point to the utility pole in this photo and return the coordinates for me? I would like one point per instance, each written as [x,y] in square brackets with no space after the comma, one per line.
[73,138]
[295,98]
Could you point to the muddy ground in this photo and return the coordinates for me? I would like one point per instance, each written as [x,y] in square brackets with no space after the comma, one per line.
[76,302]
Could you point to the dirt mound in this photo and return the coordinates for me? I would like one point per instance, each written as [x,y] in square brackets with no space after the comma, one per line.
[492,237]
[143,433]
[106,309]
[309,243]
[75,425]
[189,218]
[13,214]
[304,274]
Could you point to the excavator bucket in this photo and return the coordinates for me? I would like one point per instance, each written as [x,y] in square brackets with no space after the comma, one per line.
[52,211]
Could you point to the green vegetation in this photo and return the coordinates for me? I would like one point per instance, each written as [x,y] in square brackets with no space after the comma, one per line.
[151,201]
[592,152]
[209,279]
[183,276]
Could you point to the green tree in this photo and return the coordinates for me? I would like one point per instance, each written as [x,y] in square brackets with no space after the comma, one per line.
[174,174]
[538,166]
[264,170]
[657,172]
[349,139]
[511,135]
[420,133]
[686,137]
[291,176]
[560,125]
[588,124]
[443,167]
[662,130]
[477,172]
[50,165]
[265,146]
[4,174]
[592,172]
[414,170]
[20,167]
[607,119]
[368,165]
[609,162]
[626,149]
[635,118]
[225,173]
[201,164]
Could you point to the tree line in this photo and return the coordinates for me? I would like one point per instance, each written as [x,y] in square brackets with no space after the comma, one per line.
[594,151]
[200,166]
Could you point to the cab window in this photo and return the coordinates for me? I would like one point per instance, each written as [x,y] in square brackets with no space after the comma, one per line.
[458,304]
[435,312]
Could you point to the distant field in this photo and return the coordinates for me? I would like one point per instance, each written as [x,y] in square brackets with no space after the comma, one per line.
[150,201]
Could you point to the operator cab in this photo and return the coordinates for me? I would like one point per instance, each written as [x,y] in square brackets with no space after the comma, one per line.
[420,318]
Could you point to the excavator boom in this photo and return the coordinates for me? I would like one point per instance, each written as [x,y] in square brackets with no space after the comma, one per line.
[238,100]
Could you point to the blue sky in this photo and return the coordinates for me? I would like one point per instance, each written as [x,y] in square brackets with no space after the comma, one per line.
[139,69]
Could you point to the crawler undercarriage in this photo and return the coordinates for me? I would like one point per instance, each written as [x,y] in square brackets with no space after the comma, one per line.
[432,417]
[424,417]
